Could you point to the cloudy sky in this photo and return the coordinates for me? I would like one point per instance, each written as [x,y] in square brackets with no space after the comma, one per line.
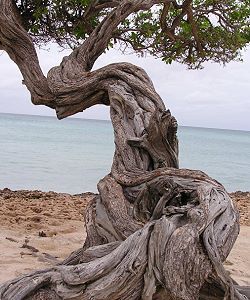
[216,97]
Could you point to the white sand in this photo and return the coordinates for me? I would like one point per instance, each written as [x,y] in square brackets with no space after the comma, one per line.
[15,260]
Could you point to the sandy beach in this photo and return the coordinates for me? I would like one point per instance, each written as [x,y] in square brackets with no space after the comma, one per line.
[39,229]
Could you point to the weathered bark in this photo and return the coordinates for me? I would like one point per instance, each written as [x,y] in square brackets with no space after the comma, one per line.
[154,230]
[152,225]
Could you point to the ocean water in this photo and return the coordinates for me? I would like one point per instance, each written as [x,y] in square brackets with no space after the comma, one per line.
[72,155]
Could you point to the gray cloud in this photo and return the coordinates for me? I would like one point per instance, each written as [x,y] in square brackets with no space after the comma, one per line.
[216,96]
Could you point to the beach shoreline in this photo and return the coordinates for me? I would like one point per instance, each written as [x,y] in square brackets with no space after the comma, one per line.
[39,229]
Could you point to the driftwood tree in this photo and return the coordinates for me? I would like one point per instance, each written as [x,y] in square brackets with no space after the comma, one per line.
[154,231]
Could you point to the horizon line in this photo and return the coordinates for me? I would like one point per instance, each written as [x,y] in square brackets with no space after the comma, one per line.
[108,120]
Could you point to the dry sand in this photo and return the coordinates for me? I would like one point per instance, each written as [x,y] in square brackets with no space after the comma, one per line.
[39,229]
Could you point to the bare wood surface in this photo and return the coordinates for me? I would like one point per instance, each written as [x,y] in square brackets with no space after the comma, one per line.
[153,229]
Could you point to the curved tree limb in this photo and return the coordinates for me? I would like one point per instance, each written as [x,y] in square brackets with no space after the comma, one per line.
[16,42]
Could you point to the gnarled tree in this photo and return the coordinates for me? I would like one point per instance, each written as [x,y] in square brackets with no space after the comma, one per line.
[154,231]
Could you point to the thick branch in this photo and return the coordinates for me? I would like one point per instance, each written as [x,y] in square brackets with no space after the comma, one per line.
[17,43]
[83,57]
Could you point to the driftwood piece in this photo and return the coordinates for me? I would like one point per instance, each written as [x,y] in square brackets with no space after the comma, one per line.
[154,231]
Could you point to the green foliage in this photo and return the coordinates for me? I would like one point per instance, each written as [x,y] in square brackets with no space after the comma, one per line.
[57,20]
[214,30]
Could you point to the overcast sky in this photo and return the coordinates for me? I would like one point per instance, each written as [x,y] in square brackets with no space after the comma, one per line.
[216,97]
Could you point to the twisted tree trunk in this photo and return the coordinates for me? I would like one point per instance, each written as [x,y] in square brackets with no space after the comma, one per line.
[154,231]
[152,226]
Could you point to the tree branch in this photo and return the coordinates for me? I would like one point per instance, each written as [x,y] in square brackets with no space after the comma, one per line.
[86,54]
[194,29]
[17,43]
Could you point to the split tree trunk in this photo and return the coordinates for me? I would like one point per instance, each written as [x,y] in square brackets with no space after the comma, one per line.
[154,231]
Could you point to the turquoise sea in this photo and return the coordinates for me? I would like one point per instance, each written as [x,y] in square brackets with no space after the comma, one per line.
[72,155]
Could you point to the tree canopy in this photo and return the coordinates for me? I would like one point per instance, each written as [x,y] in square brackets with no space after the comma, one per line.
[189,31]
